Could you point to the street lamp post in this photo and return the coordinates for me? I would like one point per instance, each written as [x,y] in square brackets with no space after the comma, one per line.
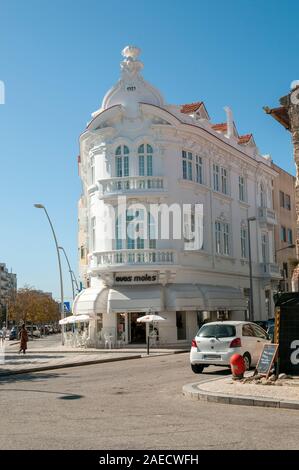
[73,277]
[40,206]
[251,309]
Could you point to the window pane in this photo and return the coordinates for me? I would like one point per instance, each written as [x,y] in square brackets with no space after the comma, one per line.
[149,165]
[149,148]
[141,148]
[189,170]
[118,151]
[141,165]
[126,166]
[119,166]
[126,150]
[184,169]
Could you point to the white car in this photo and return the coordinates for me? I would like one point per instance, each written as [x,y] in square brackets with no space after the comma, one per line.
[216,342]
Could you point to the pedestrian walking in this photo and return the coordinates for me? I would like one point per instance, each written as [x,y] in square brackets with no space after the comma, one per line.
[23,335]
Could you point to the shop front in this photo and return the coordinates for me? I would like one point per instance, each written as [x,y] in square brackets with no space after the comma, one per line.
[114,311]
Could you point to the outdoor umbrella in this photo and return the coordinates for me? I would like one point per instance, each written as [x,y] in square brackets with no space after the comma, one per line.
[151,318]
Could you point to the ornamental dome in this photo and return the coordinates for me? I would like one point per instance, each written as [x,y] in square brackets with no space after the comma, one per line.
[131,89]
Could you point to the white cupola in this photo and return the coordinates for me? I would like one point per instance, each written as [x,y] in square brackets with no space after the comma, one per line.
[131,89]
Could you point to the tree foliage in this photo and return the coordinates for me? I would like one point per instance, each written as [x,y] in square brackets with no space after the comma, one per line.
[30,305]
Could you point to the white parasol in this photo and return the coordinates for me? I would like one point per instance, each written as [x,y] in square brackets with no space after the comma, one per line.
[150,318]
[74,319]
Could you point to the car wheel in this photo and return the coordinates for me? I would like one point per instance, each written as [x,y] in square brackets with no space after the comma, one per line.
[247,360]
[197,368]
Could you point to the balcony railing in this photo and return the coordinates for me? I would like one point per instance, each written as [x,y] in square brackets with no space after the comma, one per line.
[267,215]
[270,269]
[135,257]
[132,184]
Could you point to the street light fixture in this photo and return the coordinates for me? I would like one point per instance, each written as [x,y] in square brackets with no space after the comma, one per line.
[72,274]
[251,309]
[40,206]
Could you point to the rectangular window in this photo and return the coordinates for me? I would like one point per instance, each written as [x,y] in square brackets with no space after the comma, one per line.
[199,169]
[184,161]
[241,188]
[151,231]
[141,165]
[190,166]
[119,244]
[243,242]
[223,180]
[222,238]
[287,202]
[281,198]
[216,172]
[264,247]
[290,236]
[218,237]
[226,248]
[283,234]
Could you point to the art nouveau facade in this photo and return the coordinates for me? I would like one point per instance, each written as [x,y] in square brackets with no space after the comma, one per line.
[139,147]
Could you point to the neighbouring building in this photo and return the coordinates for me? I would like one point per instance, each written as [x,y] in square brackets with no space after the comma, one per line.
[285,231]
[137,146]
[8,288]
[287,114]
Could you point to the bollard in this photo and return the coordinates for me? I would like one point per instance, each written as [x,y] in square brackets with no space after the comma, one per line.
[237,365]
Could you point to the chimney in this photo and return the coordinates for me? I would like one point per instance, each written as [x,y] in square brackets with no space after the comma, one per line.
[229,122]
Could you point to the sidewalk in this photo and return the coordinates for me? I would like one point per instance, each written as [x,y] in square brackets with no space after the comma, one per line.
[229,391]
[48,354]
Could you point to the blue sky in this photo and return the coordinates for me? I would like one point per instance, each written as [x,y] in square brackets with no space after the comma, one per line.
[57,60]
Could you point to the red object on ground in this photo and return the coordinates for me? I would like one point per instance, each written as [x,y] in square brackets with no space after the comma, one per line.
[237,365]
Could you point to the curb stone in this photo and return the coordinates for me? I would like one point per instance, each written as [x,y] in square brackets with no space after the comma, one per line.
[194,392]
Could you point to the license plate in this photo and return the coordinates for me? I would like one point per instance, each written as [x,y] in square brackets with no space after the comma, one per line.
[210,356]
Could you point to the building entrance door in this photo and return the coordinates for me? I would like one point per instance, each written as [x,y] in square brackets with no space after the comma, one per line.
[137,330]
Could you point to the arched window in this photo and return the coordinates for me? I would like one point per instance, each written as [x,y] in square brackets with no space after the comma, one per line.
[122,161]
[145,160]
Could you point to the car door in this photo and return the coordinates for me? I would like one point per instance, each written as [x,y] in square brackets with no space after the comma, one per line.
[249,342]
[261,338]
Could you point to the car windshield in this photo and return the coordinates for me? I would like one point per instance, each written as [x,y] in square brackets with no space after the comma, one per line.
[217,331]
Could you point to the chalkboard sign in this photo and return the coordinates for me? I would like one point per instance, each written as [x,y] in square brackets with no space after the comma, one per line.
[266,359]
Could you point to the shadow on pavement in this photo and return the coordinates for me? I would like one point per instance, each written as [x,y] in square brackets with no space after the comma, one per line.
[27,377]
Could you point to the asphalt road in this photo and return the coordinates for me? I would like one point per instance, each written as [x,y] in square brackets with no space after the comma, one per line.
[135,404]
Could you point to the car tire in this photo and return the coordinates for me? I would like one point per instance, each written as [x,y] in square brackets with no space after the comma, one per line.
[197,368]
[247,360]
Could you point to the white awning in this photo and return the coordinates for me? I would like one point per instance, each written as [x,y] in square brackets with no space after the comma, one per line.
[204,297]
[135,299]
[183,297]
[91,301]
[223,298]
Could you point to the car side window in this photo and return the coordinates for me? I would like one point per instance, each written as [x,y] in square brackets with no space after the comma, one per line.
[247,330]
[259,332]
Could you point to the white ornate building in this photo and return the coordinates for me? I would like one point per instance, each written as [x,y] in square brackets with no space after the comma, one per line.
[138,146]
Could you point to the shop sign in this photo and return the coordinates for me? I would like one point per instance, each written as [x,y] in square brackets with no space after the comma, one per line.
[136,278]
